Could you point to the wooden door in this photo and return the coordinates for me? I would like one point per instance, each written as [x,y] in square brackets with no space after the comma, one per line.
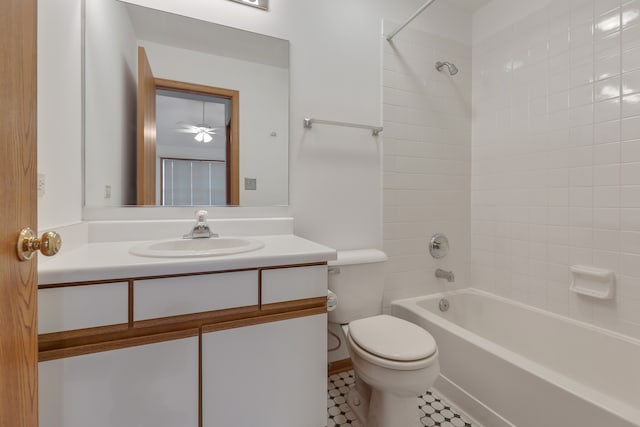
[146,163]
[18,204]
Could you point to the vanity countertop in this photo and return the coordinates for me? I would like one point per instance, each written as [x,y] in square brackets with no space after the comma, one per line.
[112,260]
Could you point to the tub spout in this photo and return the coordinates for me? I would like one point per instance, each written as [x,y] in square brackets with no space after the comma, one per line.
[444,274]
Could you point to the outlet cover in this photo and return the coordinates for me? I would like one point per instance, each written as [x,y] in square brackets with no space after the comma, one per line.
[250,184]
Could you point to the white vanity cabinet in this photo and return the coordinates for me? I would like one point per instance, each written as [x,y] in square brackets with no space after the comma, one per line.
[153,385]
[271,374]
[229,348]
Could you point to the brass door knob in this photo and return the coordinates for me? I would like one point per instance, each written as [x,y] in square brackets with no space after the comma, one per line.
[28,243]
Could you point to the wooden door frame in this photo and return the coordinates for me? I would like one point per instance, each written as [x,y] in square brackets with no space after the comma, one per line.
[18,209]
[146,138]
[233,129]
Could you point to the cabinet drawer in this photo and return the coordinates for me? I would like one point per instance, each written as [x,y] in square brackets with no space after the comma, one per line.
[79,307]
[288,284]
[174,296]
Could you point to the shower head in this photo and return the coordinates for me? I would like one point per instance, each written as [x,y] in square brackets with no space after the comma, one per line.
[453,70]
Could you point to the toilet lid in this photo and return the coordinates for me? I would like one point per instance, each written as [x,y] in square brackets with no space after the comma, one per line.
[392,338]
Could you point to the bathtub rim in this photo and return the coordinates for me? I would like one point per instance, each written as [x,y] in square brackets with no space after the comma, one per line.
[616,408]
[516,303]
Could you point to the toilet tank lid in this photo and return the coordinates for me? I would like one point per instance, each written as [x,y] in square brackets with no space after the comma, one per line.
[359,256]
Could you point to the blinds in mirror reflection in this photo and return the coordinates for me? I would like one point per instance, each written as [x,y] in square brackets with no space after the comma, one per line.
[188,182]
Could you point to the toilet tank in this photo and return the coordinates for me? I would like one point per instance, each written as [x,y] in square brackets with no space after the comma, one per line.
[357,278]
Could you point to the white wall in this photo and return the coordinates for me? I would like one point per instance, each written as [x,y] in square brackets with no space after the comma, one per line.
[556,153]
[261,156]
[111,77]
[427,162]
[59,112]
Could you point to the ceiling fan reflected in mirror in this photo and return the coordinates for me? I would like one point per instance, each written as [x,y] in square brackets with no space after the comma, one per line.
[202,132]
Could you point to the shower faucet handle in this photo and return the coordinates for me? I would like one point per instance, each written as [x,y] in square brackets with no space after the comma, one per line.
[439,246]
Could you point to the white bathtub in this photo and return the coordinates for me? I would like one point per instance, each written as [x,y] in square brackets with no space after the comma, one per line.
[530,367]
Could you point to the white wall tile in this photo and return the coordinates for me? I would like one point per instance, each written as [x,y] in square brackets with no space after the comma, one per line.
[631,82]
[631,105]
[631,60]
[630,174]
[631,151]
[579,151]
[428,165]
[607,64]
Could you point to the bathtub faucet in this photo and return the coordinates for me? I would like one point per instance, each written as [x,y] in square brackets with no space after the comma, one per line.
[444,274]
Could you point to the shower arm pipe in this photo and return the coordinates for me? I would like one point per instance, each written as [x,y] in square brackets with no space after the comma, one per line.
[411,18]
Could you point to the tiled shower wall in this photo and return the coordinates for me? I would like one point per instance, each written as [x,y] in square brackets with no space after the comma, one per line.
[427,140]
[556,155]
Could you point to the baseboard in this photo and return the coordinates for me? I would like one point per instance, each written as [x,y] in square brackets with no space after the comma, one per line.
[339,366]
[469,405]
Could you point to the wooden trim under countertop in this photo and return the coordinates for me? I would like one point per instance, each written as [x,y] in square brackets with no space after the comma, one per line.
[240,323]
[79,335]
[91,340]
[207,316]
[65,352]
[276,307]
[98,339]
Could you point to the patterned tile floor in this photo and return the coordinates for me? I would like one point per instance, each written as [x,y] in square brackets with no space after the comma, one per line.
[434,411]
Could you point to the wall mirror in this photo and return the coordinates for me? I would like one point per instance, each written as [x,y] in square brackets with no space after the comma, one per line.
[182,112]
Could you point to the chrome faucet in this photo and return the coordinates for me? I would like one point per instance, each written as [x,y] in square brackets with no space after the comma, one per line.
[201,230]
[444,274]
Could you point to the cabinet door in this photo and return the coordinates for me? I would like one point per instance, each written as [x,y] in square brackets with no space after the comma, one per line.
[154,385]
[273,374]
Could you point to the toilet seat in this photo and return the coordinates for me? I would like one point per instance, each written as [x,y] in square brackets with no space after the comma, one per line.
[391,342]
[391,364]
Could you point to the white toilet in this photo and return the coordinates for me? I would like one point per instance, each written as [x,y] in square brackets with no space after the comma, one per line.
[394,360]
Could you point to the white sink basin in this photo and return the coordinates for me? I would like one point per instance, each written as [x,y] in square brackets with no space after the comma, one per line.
[178,248]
